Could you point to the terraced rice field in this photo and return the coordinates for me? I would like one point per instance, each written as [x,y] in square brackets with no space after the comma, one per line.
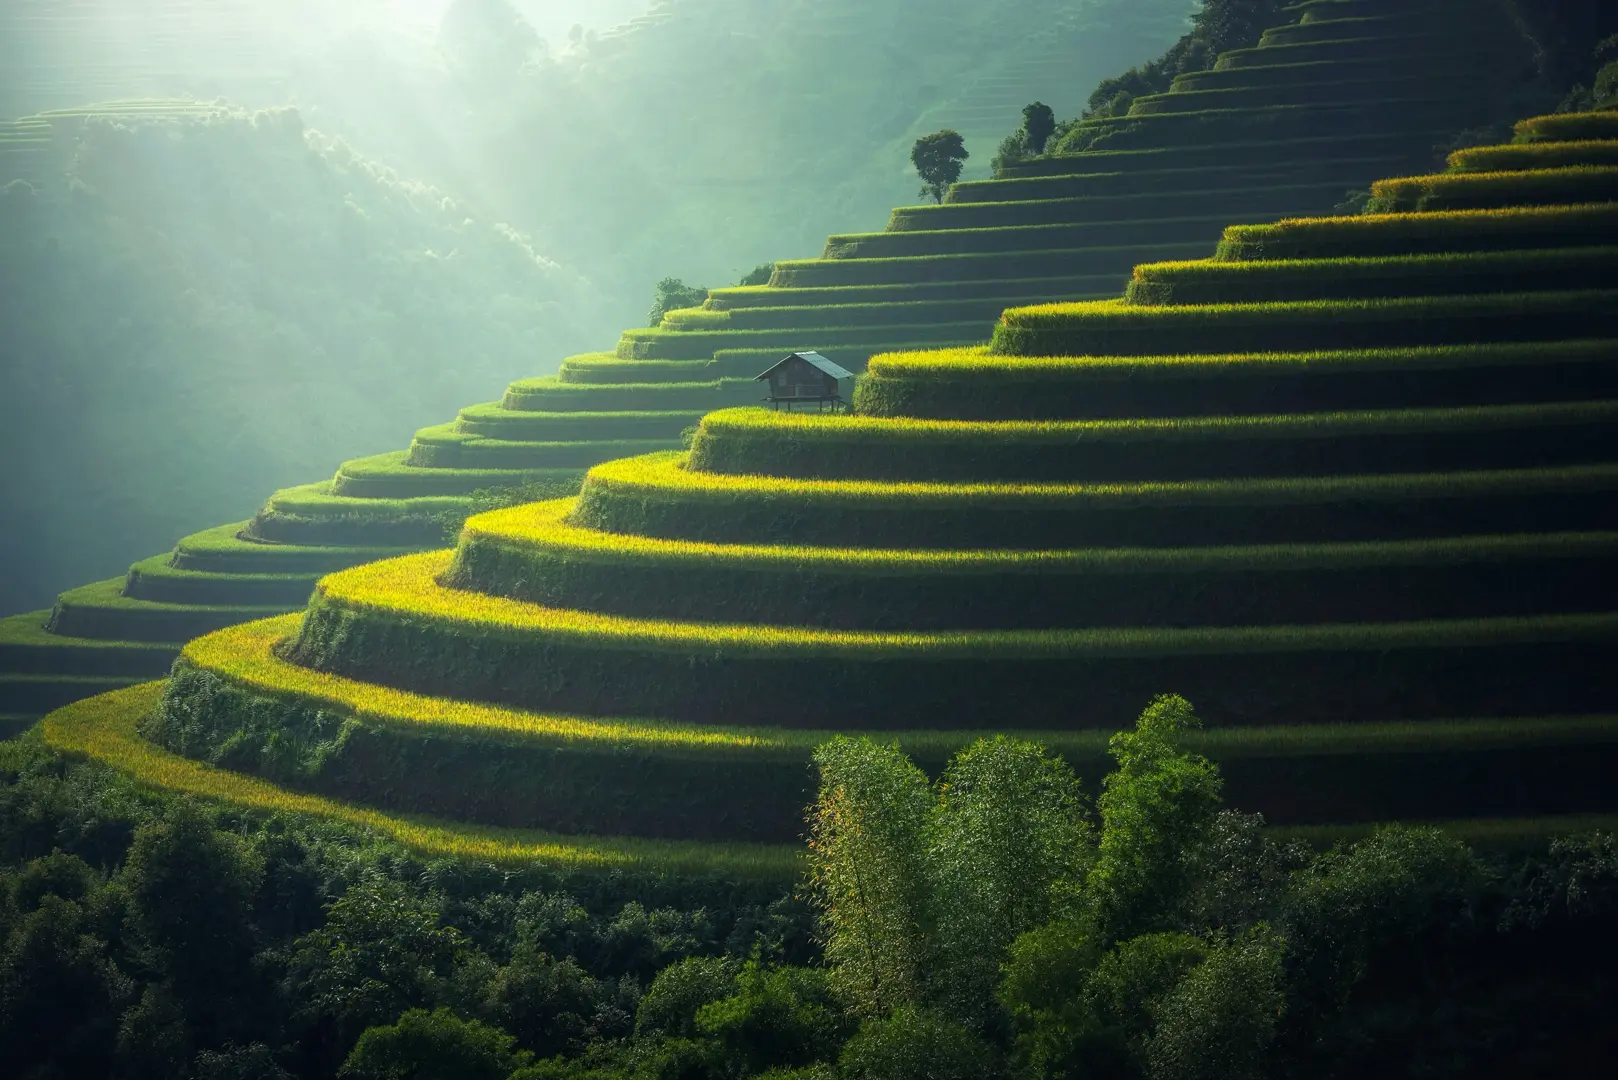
[1159,185]
[1379,568]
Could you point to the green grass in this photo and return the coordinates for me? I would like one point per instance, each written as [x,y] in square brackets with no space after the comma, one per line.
[1543,155]
[1568,127]
[1330,166]
[104,730]
[36,695]
[1566,186]
[1316,72]
[612,371]
[974,384]
[888,321]
[812,446]
[1488,49]
[1116,328]
[1213,281]
[393,624]
[1411,234]
[1180,156]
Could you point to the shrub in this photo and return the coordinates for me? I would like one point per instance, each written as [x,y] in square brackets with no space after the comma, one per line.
[759,275]
[915,1044]
[1038,124]
[433,1045]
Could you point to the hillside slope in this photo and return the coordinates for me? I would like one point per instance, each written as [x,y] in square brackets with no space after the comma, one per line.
[1347,484]
[205,301]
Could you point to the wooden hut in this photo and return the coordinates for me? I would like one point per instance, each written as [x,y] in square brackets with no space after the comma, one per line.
[808,378]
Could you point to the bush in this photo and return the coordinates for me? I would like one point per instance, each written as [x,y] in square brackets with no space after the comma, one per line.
[915,1044]
[433,1045]
[759,275]
[673,294]
[778,1017]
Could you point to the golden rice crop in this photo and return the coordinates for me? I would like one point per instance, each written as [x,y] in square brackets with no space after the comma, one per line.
[104,729]
[408,589]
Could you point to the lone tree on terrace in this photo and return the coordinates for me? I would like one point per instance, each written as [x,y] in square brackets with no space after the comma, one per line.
[1038,124]
[938,159]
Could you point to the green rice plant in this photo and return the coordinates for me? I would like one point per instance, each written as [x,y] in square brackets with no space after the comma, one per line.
[1590,225]
[818,447]
[390,476]
[1115,328]
[311,516]
[1540,155]
[393,624]
[1212,281]
[611,776]
[36,695]
[101,610]
[457,451]
[547,395]
[1487,49]
[1570,185]
[907,292]
[1568,127]
[1252,198]
[221,550]
[611,371]
[702,344]
[494,422]
[891,320]
[1068,262]
[1450,64]
[1337,89]
[27,646]
[1195,179]
[974,384]
[104,729]
[534,554]
[982,241]
[156,580]
[1149,160]
[656,496]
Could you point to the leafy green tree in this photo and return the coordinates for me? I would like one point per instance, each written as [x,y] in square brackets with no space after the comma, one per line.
[1157,810]
[252,1062]
[191,890]
[868,856]
[548,1004]
[435,1045]
[1038,125]
[916,1044]
[759,275]
[780,1017]
[670,1004]
[1386,900]
[1056,1031]
[1219,1020]
[60,993]
[1009,830]
[673,294]
[382,950]
[938,158]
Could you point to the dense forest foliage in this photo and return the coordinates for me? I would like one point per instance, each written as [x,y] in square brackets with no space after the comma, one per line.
[205,309]
[1000,921]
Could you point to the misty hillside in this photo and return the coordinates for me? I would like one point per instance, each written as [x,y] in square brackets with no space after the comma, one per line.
[219,303]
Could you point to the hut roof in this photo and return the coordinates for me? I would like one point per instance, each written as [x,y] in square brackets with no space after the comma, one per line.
[836,371]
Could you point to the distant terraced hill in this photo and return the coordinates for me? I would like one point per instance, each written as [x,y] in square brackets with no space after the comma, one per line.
[1347,484]
[1061,228]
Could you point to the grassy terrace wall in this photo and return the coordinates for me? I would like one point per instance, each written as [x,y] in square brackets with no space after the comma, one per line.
[1380,569]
